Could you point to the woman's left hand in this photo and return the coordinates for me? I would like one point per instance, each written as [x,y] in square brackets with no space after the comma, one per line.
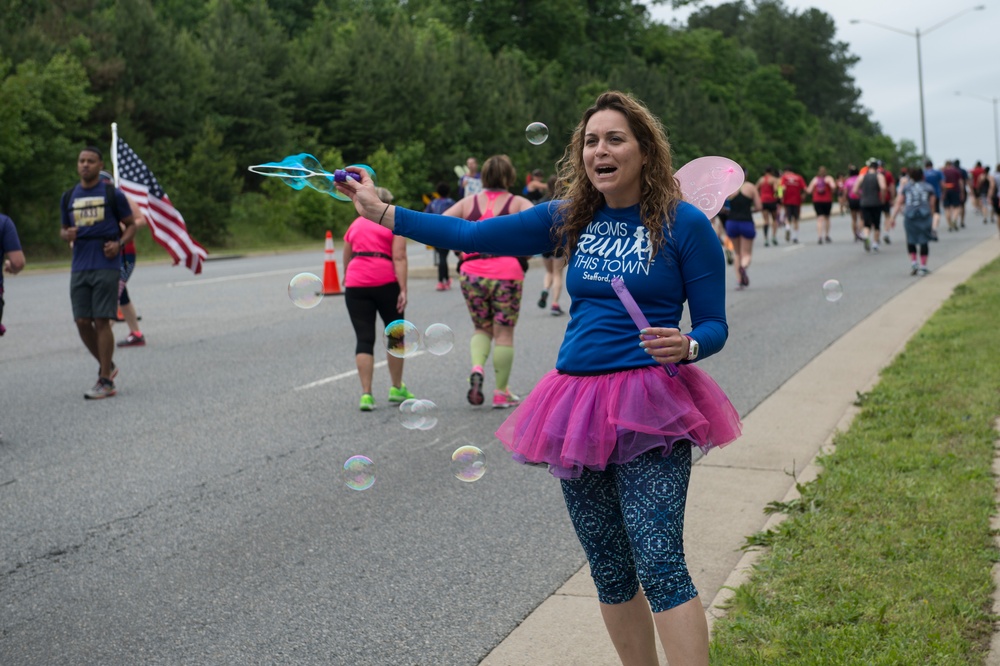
[665,345]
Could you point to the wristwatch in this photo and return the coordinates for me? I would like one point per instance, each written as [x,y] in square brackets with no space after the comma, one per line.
[693,348]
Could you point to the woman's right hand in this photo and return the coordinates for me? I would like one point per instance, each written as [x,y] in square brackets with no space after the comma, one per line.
[363,195]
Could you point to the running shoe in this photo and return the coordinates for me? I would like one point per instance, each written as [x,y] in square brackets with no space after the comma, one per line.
[505,399]
[400,394]
[744,278]
[133,341]
[829,240]
[885,238]
[441,287]
[729,256]
[774,242]
[475,394]
[556,310]
[367,402]
[868,244]
[788,235]
[544,299]
[924,271]
[914,268]
[104,388]
[875,248]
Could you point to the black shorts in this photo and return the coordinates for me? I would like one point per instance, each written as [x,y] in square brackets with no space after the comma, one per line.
[557,253]
[792,212]
[94,294]
[771,206]
[854,204]
[872,216]
[822,208]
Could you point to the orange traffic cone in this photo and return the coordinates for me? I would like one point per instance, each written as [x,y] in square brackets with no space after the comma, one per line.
[331,282]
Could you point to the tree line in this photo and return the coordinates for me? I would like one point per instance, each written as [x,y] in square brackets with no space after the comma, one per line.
[201,90]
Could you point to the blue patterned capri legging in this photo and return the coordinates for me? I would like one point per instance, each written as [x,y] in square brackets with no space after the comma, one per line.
[630,521]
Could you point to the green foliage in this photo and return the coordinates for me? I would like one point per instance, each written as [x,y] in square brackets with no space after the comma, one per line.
[42,110]
[206,186]
[417,86]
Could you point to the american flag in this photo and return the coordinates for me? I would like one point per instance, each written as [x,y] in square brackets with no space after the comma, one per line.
[138,182]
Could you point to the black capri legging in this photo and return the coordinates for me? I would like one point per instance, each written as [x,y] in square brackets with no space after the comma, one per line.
[362,304]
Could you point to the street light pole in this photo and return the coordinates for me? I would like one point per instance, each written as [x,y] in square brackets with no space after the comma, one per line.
[920,67]
[996,122]
[920,86]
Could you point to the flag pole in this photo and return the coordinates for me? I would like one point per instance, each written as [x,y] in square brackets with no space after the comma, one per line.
[114,151]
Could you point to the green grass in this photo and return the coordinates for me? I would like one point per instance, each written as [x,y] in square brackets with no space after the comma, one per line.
[886,558]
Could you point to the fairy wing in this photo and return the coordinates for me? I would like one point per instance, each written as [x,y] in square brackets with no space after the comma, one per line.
[707,182]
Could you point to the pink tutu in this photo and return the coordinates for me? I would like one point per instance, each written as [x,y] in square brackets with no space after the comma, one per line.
[570,422]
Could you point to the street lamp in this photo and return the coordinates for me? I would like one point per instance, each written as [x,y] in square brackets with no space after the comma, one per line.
[996,123]
[920,67]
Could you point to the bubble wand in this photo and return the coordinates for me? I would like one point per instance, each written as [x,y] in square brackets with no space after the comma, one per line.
[621,290]
[304,170]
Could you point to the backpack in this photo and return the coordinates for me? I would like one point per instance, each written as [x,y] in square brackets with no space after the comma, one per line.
[110,200]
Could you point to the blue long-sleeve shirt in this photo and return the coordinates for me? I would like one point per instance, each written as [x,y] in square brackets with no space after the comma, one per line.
[601,336]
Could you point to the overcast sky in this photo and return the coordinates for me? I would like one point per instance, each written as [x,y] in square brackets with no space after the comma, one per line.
[959,56]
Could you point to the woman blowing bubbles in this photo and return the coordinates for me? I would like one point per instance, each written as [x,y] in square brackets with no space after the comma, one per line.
[609,421]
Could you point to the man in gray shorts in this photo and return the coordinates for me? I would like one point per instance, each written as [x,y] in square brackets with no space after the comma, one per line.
[91,212]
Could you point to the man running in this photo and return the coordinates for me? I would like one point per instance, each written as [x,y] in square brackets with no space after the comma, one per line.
[872,188]
[794,185]
[91,214]
[953,185]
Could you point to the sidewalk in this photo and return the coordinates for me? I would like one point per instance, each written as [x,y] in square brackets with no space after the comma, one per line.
[731,487]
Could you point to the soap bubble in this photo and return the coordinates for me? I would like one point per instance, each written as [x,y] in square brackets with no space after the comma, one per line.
[833,290]
[401,338]
[359,473]
[305,290]
[439,339]
[468,463]
[536,133]
[416,414]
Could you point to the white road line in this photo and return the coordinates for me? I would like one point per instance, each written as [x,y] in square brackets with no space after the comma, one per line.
[245,276]
[344,375]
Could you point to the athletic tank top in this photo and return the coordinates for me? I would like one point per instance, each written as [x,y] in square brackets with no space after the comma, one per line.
[767,191]
[491,266]
[491,198]
[870,195]
[741,208]
[822,193]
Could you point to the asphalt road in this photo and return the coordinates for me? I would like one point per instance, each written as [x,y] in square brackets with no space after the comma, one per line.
[200,517]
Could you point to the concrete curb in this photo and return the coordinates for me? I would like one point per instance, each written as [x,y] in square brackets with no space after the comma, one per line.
[730,488]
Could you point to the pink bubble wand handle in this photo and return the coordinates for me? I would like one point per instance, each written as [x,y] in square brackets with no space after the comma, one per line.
[640,320]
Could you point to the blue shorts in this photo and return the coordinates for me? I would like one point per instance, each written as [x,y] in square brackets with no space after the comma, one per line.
[741,229]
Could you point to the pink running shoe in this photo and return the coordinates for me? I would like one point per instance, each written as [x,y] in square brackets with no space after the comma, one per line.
[505,399]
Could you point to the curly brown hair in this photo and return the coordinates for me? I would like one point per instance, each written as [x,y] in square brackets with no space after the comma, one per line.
[659,192]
